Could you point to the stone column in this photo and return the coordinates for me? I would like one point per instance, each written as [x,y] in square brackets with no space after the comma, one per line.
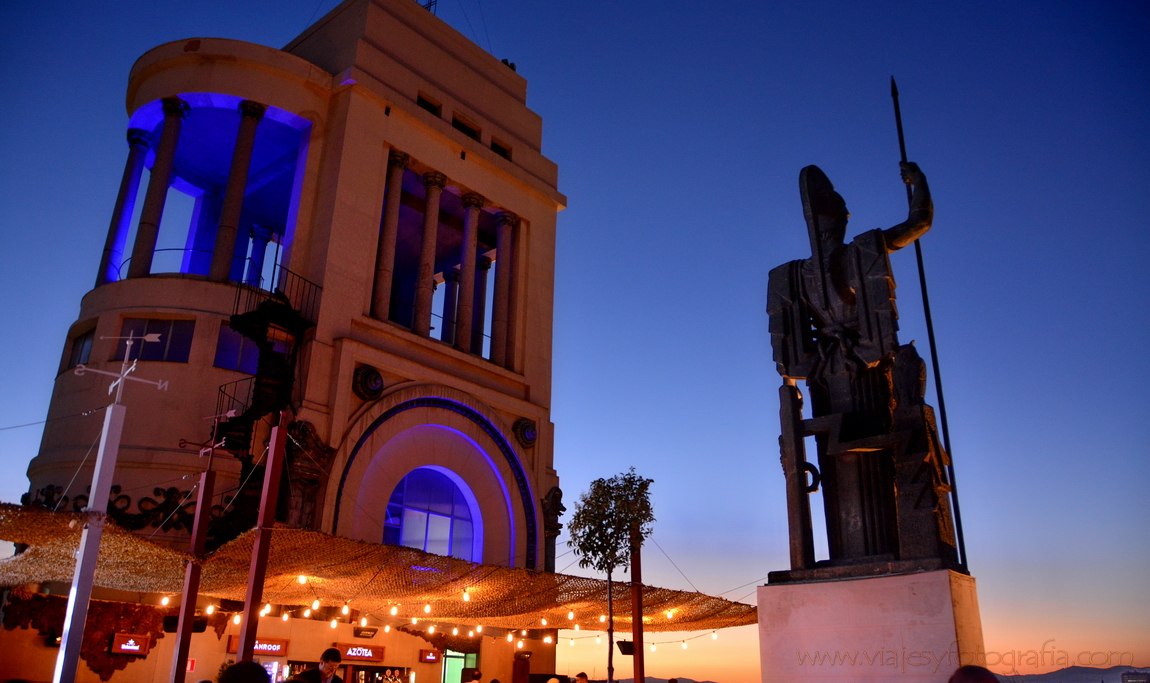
[425,287]
[385,249]
[261,235]
[225,250]
[482,268]
[506,223]
[113,256]
[450,304]
[148,231]
[466,310]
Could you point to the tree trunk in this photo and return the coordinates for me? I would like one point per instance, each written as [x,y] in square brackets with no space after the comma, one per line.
[610,633]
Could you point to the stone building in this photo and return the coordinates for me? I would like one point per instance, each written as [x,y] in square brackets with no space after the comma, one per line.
[368,246]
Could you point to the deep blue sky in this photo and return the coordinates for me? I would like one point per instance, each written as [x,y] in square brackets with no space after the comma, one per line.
[679,130]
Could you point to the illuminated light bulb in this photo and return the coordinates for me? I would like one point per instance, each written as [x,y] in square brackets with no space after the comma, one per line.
[267,607]
[394,610]
[523,632]
[301,579]
[427,608]
[653,648]
[284,616]
[236,620]
[346,610]
[466,595]
[684,645]
[471,633]
[510,637]
[307,613]
[387,628]
[479,628]
[455,630]
[547,639]
[414,620]
[520,645]
[571,615]
[334,623]
[165,600]
[576,627]
[670,614]
[315,604]
[362,622]
[602,618]
[543,621]
[431,629]
[714,635]
[210,610]
[572,642]
[598,640]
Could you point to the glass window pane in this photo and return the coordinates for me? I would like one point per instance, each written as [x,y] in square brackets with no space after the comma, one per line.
[438,535]
[414,529]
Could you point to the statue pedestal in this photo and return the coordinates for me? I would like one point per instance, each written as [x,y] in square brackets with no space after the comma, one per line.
[912,628]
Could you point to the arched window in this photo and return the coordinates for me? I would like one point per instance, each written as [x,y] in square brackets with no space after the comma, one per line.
[429,512]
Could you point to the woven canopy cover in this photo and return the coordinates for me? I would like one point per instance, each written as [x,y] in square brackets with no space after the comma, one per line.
[371,578]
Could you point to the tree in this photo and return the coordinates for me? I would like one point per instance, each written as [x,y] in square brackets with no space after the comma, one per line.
[600,532]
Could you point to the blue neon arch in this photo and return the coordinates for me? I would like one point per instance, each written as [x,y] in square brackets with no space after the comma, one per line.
[478,420]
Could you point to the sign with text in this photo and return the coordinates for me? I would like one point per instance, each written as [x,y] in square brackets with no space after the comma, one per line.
[429,656]
[131,644]
[272,647]
[361,653]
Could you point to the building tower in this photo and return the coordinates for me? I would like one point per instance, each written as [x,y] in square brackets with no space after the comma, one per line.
[357,229]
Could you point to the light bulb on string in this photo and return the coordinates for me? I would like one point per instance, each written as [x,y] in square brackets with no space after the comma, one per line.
[362,622]
[467,595]
[519,645]
[346,610]
[165,600]
[307,613]
[543,621]
[236,619]
[714,635]
[394,610]
[315,604]
[301,579]
[427,608]
[576,627]
[479,628]
[684,645]
[454,630]
[571,615]
[431,629]
[210,610]
[284,616]
[653,648]
[572,642]
[510,637]
[547,639]
[334,623]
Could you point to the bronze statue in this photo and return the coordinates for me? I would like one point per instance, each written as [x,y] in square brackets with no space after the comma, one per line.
[833,324]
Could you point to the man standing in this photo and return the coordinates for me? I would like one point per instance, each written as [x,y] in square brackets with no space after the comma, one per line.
[325,673]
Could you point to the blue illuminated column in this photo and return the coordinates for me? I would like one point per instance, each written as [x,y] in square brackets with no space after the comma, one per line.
[450,299]
[425,287]
[505,224]
[482,268]
[385,250]
[149,229]
[138,145]
[261,235]
[466,309]
[223,254]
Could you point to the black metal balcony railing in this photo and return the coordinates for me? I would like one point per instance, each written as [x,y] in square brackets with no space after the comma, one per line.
[302,294]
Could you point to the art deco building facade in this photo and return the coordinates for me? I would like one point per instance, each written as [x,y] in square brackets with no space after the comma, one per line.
[357,230]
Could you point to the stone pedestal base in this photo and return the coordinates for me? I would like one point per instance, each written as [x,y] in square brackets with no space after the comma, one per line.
[910,628]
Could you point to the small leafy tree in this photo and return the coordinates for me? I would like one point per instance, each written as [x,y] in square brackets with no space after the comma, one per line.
[599,532]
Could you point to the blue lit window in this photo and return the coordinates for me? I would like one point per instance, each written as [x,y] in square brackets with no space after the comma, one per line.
[175,342]
[81,348]
[236,352]
[428,512]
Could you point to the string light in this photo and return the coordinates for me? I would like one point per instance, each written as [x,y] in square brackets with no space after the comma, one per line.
[165,600]
[670,614]
[571,615]
[210,610]
[307,613]
[714,635]
[519,645]
[394,610]
[362,622]
[572,642]
[454,630]
[653,648]
[510,637]
[479,628]
[543,621]
[315,604]
[602,618]
[471,633]
[346,609]
[414,620]
[334,623]
[684,645]
[236,620]
[284,616]
[547,639]
[427,608]
[387,628]
[598,640]
[466,595]
[576,627]
[431,629]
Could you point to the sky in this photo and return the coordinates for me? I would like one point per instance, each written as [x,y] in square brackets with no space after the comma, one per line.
[679,129]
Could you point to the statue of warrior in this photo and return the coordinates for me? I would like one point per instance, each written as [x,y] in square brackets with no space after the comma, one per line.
[833,324]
